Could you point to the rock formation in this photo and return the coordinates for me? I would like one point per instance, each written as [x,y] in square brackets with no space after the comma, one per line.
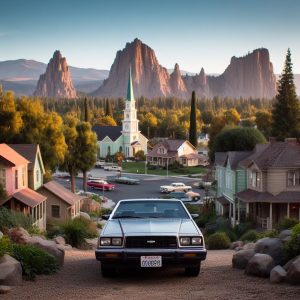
[56,82]
[248,76]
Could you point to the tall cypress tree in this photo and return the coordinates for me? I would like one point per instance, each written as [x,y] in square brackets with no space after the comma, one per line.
[86,110]
[286,109]
[193,121]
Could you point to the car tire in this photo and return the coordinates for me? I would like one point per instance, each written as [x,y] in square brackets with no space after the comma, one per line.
[107,271]
[185,191]
[196,198]
[193,271]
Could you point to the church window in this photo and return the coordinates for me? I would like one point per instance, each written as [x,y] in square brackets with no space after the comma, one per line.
[120,149]
[108,150]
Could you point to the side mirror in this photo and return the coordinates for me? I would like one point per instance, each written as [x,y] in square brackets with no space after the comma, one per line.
[194,216]
[105,217]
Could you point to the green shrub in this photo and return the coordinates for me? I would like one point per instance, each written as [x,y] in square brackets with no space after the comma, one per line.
[287,223]
[249,236]
[292,247]
[34,260]
[5,246]
[269,234]
[218,240]
[9,219]
[105,211]
[231,234]
[76,230]
[242,228]
[193,209]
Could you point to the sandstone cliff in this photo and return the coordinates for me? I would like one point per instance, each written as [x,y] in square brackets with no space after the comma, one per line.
[248,76]
[56,82]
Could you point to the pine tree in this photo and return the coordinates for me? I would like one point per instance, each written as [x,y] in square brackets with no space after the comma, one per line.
[86,110]
[286,109]
[193,121]
[108,109]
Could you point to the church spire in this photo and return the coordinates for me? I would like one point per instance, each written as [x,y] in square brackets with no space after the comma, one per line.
[130,96]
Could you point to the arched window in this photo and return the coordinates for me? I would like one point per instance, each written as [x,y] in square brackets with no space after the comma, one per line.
[120,149]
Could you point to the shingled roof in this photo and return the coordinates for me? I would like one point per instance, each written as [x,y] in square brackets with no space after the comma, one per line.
[12,156]
[171,146]
[234,157]
[113,132]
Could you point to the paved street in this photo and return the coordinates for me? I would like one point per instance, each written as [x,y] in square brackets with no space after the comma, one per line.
[148,188]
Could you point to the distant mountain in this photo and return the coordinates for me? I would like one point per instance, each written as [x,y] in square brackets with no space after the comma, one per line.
[56,82]
[248,76]
[22,75]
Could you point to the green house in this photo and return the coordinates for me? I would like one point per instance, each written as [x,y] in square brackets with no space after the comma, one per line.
[231,179]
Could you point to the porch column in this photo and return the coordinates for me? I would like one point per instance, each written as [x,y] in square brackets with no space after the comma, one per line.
[234,213]
[230,212]
[270,218]
[288,210]
[247,210]
[239,214]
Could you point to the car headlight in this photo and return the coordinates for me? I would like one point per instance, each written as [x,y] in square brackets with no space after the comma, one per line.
[105,241]
[185,241]
[116,241]
[191,241]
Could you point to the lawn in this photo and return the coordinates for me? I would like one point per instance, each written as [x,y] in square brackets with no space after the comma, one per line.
[139,168]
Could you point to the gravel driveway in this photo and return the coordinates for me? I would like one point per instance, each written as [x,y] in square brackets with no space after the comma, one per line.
[80,278]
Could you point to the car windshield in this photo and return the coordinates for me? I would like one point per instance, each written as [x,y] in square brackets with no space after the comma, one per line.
[150,209]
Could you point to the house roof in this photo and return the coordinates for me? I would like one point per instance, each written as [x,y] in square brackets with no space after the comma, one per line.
[61,192]
[254,196]
[171,146]
[30,152]
[234,157]
[27,196]
[9,154]
[113,132]
[275,155]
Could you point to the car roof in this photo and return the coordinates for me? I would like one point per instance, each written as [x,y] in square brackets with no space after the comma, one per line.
[150,199]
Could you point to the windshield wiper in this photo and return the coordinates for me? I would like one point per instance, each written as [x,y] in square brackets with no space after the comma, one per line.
[127,217]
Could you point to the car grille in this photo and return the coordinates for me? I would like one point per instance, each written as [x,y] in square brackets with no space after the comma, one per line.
[151,242]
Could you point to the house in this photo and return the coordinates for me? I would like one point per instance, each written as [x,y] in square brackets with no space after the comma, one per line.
[273,183]
[126,138]
[231,179]
[168,151]
[14,179]
[36,168]
[62,204]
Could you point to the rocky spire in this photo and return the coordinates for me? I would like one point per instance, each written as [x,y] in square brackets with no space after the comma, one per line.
[202,77]
[177,85]
[56,82]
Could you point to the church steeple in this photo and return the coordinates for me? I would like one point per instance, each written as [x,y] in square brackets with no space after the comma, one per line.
[130,96]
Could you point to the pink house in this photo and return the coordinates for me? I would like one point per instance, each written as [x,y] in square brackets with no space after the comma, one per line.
[14,180]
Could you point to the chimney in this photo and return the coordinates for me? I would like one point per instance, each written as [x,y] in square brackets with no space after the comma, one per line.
[290,141]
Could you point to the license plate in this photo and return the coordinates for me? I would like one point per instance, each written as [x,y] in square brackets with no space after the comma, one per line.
[150,261]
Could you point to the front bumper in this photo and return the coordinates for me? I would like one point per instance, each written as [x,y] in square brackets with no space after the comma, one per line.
[170,257]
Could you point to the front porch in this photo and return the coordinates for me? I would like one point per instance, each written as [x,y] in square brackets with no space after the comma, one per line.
[160,161]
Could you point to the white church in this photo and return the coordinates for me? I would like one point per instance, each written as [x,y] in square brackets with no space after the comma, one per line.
[126,138]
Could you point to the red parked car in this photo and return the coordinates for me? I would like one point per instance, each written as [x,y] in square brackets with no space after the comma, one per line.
[100,184]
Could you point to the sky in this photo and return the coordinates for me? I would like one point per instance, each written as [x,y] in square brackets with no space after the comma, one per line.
[192,33]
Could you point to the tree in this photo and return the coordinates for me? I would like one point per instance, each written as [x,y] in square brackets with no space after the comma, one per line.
[71,163]
[263,120]
[193,121]
[286,109]
[108,109]
[86,110]
[140,155]
[150,122]
[232,117]
[237,139]
[10,119]
[106,121]
[86,149]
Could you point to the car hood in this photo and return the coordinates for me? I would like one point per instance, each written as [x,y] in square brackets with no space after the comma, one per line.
[119,227]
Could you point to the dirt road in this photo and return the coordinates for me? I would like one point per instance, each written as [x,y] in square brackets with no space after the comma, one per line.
[80,278]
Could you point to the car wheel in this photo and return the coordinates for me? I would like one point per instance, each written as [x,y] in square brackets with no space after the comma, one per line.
[193,271]
[185,191]
[196,198]
[107,271]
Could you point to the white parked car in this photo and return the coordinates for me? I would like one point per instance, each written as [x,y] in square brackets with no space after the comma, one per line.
[175,187]
[113,168]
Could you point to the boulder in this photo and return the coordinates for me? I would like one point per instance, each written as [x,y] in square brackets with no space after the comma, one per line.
[260,265]
[288,264]
[64,247]
[272,247]
[19,235]
[237,244]
[84,215]
[4,289]
[90,244]
[249,246]
[50,247]
[293,273]
[59,240]
[278,274]
[241,258]
[10,271]
[285,235]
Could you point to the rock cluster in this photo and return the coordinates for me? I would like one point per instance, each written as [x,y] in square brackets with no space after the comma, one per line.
[248,76]
[56,82]
[265,259]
